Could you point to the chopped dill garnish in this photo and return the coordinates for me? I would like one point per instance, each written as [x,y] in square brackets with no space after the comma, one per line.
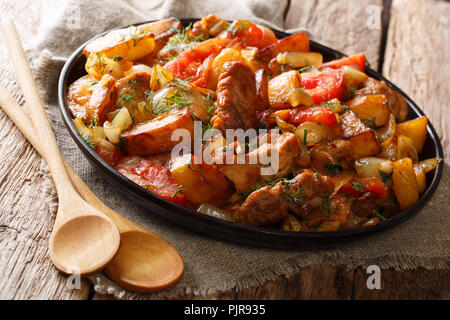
[125,100]
[89,141]
[304,69]
[359,186]
[259,185]
[177,191]
[379,216]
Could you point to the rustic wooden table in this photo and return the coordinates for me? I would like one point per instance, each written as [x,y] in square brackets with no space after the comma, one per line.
[407,40]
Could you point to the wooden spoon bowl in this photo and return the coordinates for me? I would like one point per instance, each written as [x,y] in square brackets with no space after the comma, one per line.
[145,261]
[96,234]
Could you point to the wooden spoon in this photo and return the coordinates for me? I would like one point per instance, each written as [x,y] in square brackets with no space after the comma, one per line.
[83,239]
[144,262]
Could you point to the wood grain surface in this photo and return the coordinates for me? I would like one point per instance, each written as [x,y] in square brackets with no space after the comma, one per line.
[417,58]
[411,48]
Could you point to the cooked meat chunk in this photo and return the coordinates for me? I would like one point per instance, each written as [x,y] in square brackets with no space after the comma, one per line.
[262,207]
[332,214]
[365,205]
[130,91]
[306,192]
[209,26]
[269,205]
[236,97]
[333,153]
[290,154]
[155,136]
[262,83]
[397,105]
[243,176]
[291,223]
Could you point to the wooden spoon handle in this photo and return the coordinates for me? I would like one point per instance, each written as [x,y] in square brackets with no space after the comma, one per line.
[38,115]
[23,122]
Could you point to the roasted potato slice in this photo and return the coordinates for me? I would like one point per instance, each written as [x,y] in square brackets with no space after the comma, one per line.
[405,183]
[372,110]
[201,183]
[154,137]
[284,91]
[130,43]
[363,139]
[415,129]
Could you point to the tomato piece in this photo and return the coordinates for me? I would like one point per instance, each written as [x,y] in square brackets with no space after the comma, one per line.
[249,34]
[312,114]
[187,63]
[151,176]
[324,85]
[357,187]
[200,78]
[357,61]
[268,37]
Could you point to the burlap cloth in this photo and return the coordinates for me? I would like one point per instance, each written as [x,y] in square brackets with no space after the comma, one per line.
[52,30]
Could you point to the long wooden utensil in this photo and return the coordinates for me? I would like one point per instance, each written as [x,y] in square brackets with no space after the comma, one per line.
[145,262]
[83,239]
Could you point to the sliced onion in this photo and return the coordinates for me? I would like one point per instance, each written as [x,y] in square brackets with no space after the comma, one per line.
[284,126]
[160,77]
[138,68]
[110,116]
[105,144]
[214,211]
[368,167]
[386,167]
[81,128]
[98,133]
[420,177]
[300,97]
[352,77]
[122,119]
[388,130]
[217,142]
[160,96]
[300,59]
[311,132]
[112,133]
[430,164]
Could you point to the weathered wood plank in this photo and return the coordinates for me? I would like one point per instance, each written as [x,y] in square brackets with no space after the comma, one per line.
[343,283]
[25,218]
[348,26]
[417,58]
